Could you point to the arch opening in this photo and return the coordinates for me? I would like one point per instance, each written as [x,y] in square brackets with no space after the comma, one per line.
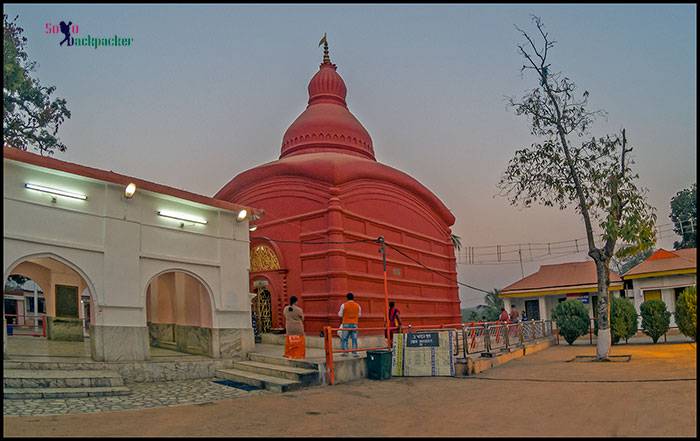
[46,296]
[179,313]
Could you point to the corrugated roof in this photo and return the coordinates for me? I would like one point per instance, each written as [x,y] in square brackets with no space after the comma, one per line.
[560,276]
[116,178]
[664,260]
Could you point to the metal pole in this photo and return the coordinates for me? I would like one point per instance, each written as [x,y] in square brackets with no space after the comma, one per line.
[382,250]
[520,255]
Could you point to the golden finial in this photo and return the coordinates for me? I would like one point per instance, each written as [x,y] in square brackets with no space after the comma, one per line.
[324,41]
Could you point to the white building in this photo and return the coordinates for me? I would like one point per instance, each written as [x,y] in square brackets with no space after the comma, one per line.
[662,276]
[159,266]
[538,294]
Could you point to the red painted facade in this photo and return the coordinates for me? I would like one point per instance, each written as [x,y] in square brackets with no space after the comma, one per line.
[328,187]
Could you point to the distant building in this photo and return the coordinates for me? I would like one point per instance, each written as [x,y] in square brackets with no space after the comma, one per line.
[539,293]
[662,276]
[19,302]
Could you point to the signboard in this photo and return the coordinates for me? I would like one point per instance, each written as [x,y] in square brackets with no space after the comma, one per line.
[260,283]
[583,299]
[422,340]
[423,354]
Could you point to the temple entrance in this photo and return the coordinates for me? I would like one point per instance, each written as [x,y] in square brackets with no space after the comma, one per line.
[262,308]
[268,284]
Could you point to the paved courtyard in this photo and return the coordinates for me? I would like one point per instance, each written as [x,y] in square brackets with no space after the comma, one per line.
[542,394]
[143,395]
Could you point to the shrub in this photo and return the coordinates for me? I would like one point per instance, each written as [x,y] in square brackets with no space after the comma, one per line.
[572,320]
[686,312]
[655,318]
[623,319]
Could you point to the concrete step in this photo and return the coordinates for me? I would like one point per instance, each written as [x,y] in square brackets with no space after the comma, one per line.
[63,392]
[20,378]
[53,365]
[274,384]
[304,376]
[168,345]
[281,361]
[312,341]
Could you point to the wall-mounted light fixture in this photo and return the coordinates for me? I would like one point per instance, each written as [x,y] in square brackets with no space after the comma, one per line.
[242,215]
[130,190]
[182,216]
[56,191]
[253,228]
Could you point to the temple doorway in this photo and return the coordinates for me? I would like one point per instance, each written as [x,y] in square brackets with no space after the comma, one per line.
[262,308]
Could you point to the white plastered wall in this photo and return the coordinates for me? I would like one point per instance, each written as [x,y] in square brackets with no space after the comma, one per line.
[118,245]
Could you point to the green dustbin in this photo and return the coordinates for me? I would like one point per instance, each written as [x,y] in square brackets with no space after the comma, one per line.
[379,365]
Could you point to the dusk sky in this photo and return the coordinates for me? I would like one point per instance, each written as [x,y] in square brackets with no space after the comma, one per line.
[206,92]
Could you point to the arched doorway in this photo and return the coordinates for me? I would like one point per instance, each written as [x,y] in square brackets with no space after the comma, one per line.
[262,310]
[47,300]
[179,313]
[269,284]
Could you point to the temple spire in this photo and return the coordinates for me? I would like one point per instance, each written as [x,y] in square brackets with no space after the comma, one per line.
[326,57]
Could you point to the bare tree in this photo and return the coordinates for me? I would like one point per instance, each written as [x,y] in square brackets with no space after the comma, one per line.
[572,168]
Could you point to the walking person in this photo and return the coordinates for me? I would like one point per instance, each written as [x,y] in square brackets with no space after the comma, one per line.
[503,317]
[394,320]
[295,342]
[514,314]
[350,312]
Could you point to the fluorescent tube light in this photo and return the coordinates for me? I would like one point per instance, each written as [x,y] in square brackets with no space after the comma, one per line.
[56,191]
[182,216]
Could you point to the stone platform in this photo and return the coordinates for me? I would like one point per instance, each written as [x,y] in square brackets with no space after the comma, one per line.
[36,353]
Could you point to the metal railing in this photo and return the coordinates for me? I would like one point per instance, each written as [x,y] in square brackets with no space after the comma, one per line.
[34,324]
[469,338]
[500,336]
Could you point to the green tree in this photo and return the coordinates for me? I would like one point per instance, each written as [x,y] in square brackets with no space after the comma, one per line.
[494,304]
[30,116]
[569,167]
[684,215]
[572,320]
[655,318]
[686,312]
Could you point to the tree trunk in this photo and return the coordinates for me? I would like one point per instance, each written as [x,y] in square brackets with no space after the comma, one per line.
[604,336]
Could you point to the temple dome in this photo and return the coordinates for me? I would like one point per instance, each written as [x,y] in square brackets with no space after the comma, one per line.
[327,125]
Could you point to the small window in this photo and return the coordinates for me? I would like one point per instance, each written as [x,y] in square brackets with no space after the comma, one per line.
[678,291]
[652,294]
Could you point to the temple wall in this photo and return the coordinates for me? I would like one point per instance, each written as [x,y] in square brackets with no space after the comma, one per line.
[324,273]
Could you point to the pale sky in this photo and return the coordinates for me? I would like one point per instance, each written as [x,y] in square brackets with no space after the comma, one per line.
[207,91]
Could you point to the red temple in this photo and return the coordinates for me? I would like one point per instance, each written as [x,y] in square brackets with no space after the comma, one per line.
[327,186]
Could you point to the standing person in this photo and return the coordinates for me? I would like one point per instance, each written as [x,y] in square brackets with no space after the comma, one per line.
[394,320]
[295,342]
[504,315]
[514,314]
[350,312]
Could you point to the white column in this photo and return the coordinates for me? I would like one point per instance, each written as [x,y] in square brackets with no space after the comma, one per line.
[542,303]
[36,308]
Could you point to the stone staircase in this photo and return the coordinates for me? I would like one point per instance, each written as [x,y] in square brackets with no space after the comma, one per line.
[273,373]
[23,384]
